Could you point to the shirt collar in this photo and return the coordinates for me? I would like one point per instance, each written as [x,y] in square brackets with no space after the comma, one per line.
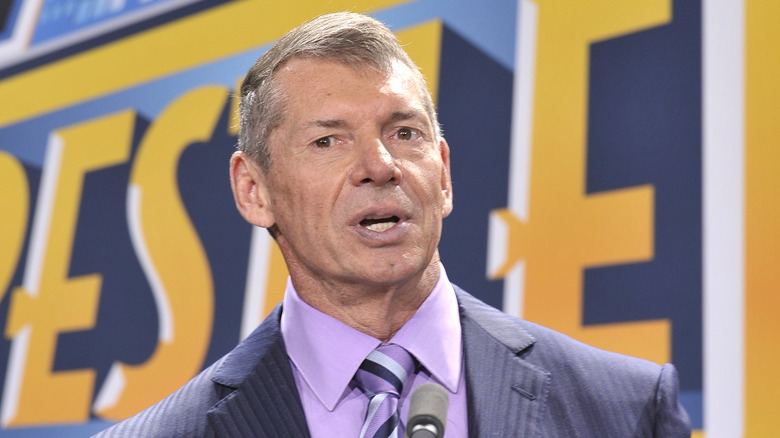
[327,353]
[433,334]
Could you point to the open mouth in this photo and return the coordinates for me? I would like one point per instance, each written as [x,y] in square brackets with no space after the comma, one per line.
[379,224]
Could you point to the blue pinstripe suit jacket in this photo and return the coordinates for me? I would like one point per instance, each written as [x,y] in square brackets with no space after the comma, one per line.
[523,380]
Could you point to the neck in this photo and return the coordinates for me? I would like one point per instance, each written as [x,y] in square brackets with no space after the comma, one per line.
[378,310]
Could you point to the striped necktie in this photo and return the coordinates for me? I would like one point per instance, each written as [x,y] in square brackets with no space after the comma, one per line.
[382,376]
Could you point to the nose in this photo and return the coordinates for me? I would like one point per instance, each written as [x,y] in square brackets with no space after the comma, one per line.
[374,164]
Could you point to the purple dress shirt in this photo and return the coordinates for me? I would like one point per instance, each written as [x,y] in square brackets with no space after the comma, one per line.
[325,353]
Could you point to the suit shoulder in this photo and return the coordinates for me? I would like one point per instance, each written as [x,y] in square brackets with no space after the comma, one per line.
[181,414]
[548,348]
[184,413]
[584,391]
[560,350]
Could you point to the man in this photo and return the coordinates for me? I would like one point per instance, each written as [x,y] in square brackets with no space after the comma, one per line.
[341,158]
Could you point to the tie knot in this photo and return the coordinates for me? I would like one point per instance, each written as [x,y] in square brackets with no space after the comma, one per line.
[385,370]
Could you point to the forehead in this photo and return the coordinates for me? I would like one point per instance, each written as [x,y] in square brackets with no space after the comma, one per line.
[315,84]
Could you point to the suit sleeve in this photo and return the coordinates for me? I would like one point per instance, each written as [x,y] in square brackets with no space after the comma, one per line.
[671,420]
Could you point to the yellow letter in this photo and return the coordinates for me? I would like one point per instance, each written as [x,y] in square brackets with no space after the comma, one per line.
[566,230]
[762,238]
[49,303]
[14,207]
[172,257]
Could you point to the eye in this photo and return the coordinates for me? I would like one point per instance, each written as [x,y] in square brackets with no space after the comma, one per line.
[407,134]
[324,142]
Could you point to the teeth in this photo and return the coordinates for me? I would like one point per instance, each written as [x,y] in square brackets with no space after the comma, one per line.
[380,226]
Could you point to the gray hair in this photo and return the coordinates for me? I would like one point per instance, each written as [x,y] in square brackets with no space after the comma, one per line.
[352,39]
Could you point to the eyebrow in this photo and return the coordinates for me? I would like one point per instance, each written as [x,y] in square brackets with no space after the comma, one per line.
[405,115]
[329,123]
[395,116]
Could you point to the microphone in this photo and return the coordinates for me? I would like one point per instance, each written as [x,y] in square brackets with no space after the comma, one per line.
[427,411]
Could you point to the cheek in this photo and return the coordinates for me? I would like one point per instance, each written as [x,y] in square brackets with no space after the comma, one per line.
[427,180]
[287,205]
[305,207]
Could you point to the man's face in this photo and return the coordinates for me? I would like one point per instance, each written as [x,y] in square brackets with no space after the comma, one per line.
[359,182]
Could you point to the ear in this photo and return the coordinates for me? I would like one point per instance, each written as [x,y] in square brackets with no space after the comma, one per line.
[250,191]
[446,180]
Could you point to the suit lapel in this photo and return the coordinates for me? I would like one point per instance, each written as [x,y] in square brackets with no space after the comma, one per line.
[262,399]
[506,395]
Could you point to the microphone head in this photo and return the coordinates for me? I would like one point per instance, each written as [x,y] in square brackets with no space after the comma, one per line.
[427,411]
